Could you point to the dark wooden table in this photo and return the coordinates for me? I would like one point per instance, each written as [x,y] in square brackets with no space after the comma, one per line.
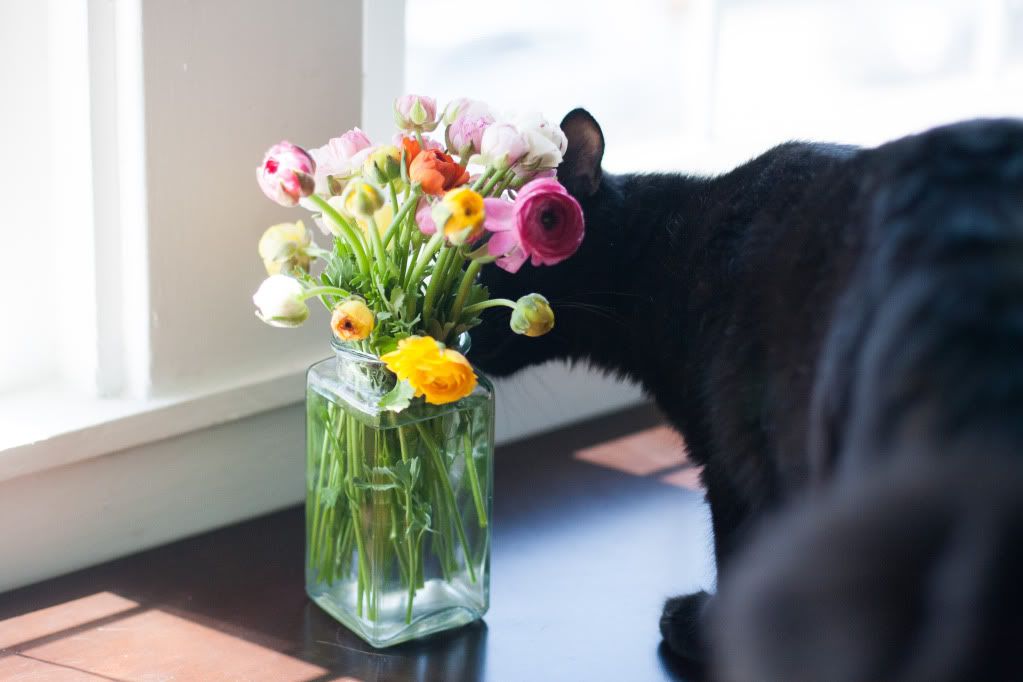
[591,532]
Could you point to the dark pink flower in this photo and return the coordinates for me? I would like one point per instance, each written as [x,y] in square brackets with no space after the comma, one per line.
[287,174]
[548,221]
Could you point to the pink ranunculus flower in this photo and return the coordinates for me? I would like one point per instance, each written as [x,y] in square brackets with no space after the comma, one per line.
[424,217]
[504,241]
[467,119]
[338,160]
[549,221]
[548,227]
[286,174]
[415,112]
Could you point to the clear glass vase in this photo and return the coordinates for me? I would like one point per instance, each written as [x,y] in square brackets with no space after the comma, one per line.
[397,504]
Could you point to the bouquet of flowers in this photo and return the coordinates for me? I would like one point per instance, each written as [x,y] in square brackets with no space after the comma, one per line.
[412,222]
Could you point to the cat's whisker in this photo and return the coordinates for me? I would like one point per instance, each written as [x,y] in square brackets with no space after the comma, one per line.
[601,311]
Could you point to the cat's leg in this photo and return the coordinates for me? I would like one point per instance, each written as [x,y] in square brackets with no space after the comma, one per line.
[683,620]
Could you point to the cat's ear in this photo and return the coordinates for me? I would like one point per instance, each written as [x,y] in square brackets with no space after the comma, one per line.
[580,170]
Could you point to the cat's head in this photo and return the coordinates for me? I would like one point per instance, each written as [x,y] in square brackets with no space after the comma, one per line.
[570,285]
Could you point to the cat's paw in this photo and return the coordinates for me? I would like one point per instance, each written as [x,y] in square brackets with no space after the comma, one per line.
[682,625]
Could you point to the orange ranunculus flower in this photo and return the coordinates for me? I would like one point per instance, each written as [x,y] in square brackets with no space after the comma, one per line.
[436,172]
[352,320]
[412,149]
[440,374]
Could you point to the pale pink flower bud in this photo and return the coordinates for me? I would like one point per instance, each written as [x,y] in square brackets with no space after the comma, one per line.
[338,160]
[464,134]
[415,112]
[286,174]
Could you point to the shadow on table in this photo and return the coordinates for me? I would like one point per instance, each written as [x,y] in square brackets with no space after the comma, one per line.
[454,655]
[233,598]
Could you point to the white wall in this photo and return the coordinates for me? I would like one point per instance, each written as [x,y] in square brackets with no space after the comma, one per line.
[26,232]
[224,81]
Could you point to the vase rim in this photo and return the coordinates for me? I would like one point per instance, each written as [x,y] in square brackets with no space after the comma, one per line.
[342,348]
[462,344]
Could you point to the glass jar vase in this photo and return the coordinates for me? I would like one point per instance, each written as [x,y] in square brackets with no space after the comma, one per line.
[397,504]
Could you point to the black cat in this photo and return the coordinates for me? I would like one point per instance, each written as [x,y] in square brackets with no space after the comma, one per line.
[909,575]
[816,309]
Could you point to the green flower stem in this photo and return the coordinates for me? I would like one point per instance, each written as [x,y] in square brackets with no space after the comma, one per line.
[348,233]
[394,197]
[415,240]
[492,303]
[432,247]
[499,190]
[317,252]
[379,500]
[496,178]
[474,479]
[375,239]
[314,547]
[463,289]
[353,503]
[413,550]
[434,287]
[325,291]
[449,495]
[483,178]
[400,213]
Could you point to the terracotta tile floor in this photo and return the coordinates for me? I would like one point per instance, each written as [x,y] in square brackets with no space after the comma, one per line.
[657,450]
[593,526]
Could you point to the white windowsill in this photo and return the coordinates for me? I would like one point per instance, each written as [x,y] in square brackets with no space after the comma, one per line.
[52,425]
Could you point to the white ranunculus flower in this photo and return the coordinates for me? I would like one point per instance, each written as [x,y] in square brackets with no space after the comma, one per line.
[279,302]
[502,145]
[547,143]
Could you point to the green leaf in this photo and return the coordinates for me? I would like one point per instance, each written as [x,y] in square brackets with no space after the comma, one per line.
[385,344]
[369,485]
[328,496]
[397,297]
[398,398]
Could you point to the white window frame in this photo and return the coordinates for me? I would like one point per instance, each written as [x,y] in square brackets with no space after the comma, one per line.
[125,452]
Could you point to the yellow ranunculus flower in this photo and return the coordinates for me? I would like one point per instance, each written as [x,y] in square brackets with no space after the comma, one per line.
[352,320]
[382,216]
[460,214]
[283,247]
[383,165]
[440,374]
[361,198]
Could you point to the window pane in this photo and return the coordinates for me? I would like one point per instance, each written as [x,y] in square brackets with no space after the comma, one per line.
[705,84]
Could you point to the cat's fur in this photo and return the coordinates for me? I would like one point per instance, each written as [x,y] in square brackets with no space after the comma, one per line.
[817,309]
[910,574]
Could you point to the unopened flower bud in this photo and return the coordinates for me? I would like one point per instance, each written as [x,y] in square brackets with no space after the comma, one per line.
[415,112]
[284,247]
[279,302]
[532,316]
[286,174]
[361,198]
[383,165]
